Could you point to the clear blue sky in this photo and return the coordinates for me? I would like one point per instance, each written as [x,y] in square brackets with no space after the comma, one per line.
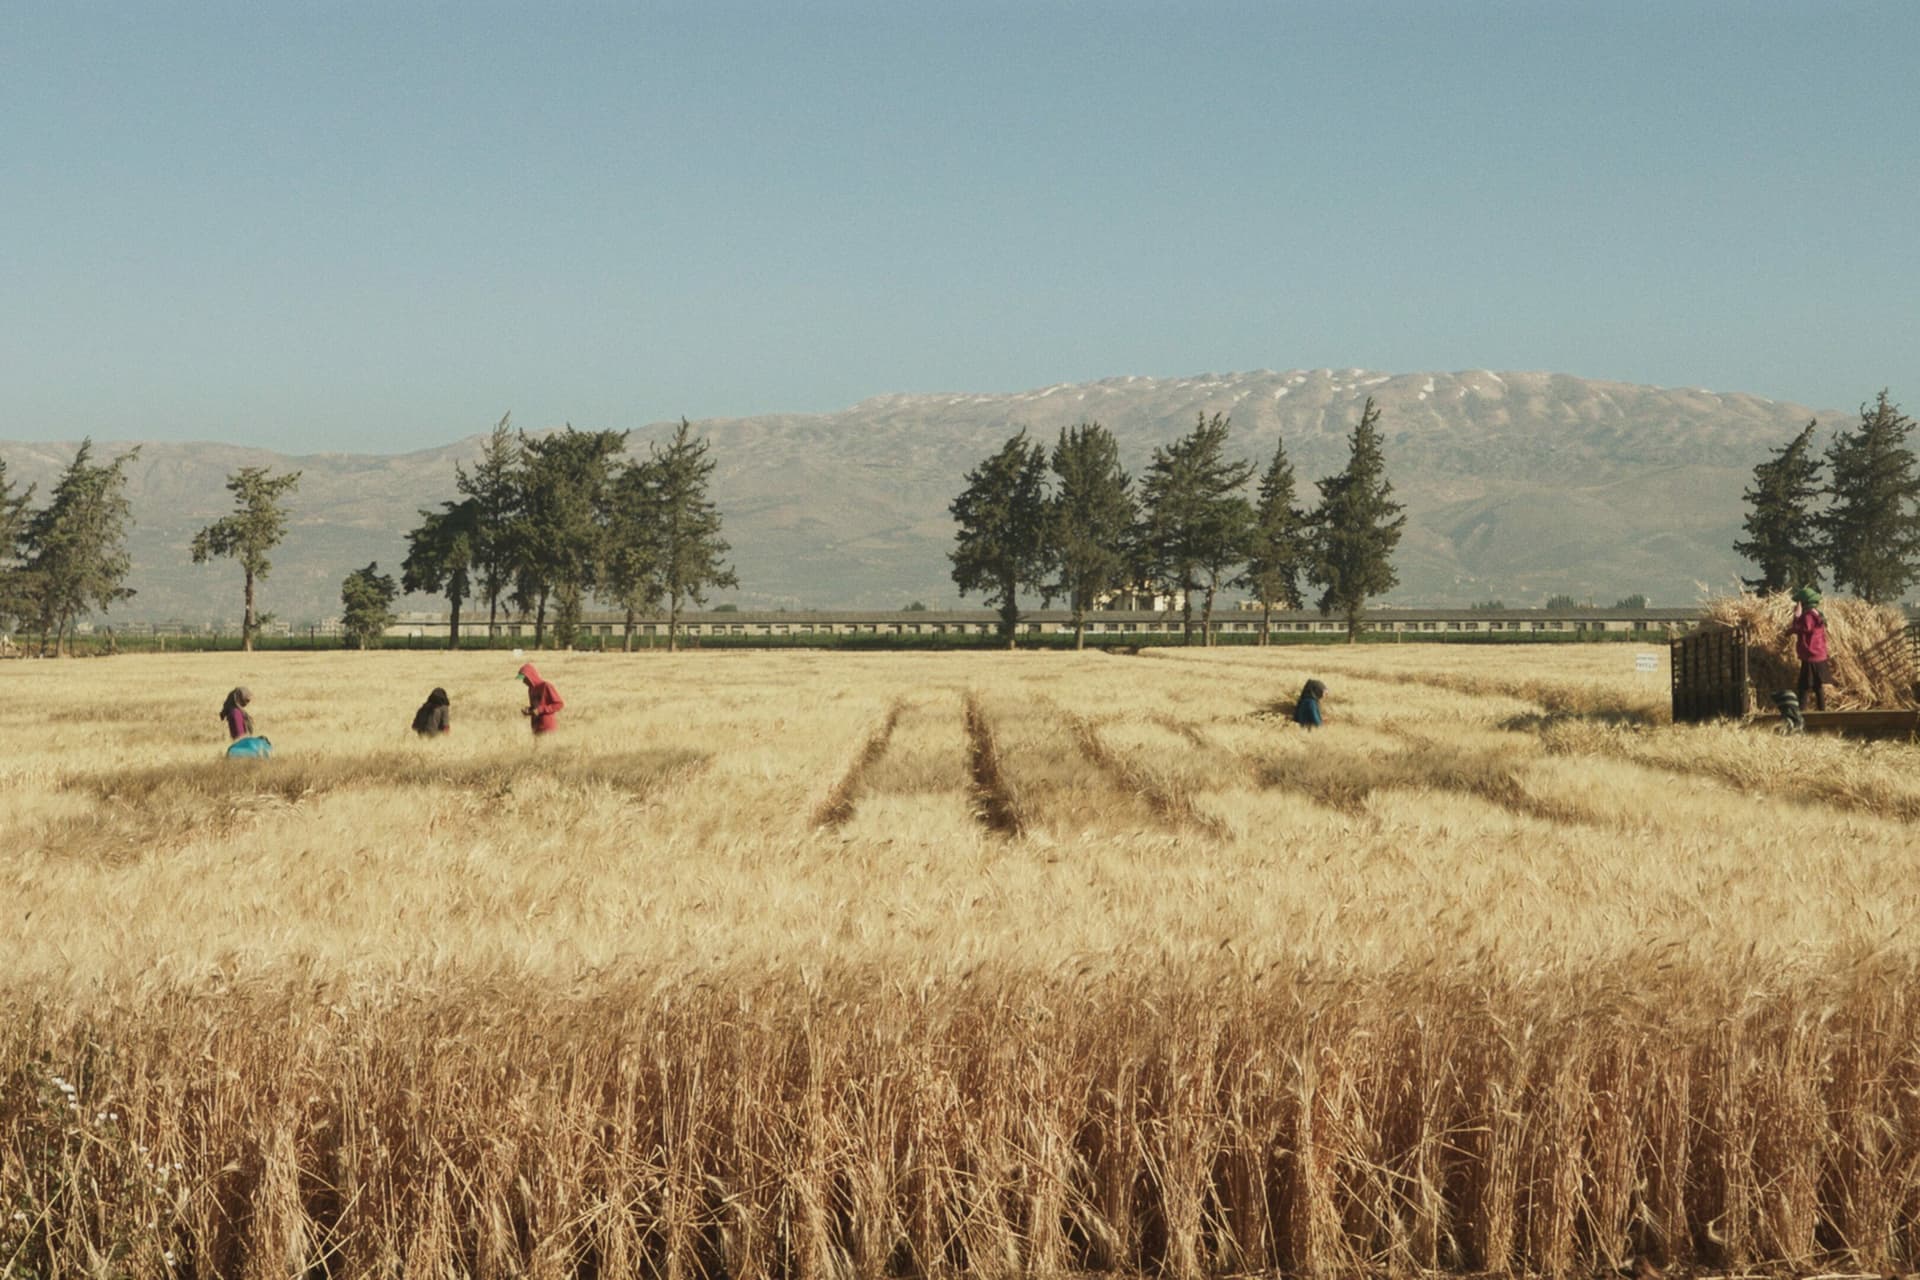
[379,226]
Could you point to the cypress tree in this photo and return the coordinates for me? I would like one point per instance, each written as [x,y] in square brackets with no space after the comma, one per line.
[494,485]
[366,604]
[1872,530]
[559,530]
[630,572]
[688,548]
[13,525]
[1092,516]
[1783,531]
[75,548]
[1000,546]
[1356,528]
[440,557]
[1279,548]
[1196,525]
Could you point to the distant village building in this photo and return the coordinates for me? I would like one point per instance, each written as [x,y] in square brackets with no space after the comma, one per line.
[1137,597]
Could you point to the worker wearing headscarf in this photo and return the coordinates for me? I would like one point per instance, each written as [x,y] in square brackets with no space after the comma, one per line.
[1306,711]
[234,713]
[1809,632]
[432,717]
[543,701]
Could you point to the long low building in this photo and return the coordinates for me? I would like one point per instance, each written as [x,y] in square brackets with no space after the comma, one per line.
[1105,624]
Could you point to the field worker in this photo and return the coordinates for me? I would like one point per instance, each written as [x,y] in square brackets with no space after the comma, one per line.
[1809,632]
[431,719]
[543,701]
[1306,712]
[234,712]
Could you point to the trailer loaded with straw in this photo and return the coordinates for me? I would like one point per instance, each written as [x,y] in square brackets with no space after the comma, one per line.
[1741,653]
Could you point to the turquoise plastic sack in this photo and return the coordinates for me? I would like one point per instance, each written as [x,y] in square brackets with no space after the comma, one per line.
[252,748]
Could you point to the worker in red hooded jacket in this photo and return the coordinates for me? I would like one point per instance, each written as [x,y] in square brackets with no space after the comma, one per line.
[543,701]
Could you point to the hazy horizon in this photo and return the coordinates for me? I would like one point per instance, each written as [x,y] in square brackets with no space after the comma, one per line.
[353,228]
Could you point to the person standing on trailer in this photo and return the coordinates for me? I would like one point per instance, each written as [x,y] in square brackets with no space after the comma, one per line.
[543,701]
[1809,632]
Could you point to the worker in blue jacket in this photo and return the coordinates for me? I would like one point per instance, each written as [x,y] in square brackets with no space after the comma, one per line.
[1306,712]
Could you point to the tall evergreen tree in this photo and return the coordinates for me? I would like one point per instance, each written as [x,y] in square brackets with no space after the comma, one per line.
[1000,547]
[561,524]
[440,557]
[1091,519]
[494,486]
[1356,528]
[366,604]
[1783,529]
[631,561]
[1281,544]
[690,553]
[258,523]
[1872,530]
[75,548]
[1196,523]
[13,524]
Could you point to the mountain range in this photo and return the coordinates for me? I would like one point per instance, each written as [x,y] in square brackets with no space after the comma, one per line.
[1517,486]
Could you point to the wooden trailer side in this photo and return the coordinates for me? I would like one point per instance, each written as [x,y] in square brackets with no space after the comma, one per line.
[1710,677]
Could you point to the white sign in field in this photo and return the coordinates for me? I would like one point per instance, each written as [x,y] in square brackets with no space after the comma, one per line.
[1646,662]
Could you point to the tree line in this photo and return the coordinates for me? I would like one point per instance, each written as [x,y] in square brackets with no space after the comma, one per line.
[1071,525]
[1852,512]
[540,524]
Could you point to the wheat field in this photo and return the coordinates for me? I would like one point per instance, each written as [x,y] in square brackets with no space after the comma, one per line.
[843,965]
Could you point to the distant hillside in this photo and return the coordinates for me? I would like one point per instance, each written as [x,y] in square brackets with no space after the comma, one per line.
[1518,485]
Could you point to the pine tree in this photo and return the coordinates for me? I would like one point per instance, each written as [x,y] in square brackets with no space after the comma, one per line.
[13,524]
[690,550]
[1783,532]
[1091,518]
[440,557]
[75,548]
[366,602]
[1196,526]
[258,523]
[494,485]
[1278,551]
[1356,528]
[1872,530]
[1000,547]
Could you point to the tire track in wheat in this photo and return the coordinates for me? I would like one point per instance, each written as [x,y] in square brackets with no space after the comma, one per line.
[838,806]
[1171,806]
[1345,781]
[993,798]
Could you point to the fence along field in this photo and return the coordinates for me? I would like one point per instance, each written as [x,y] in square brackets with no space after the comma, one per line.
[940,964]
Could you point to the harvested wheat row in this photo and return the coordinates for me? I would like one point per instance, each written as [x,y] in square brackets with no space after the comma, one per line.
[1003,1125]
[1871,664]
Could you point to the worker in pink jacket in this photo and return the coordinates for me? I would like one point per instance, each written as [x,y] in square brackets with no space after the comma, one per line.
[1809,632]
[543,701]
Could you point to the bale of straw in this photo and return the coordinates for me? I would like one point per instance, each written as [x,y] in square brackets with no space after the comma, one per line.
[1870,664]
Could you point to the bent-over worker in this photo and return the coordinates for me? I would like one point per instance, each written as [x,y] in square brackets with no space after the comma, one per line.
[1306,711]
[432,717]
[234,714]
[543,701]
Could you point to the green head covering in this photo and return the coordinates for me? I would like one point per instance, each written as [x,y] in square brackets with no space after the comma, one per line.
[1807,596]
